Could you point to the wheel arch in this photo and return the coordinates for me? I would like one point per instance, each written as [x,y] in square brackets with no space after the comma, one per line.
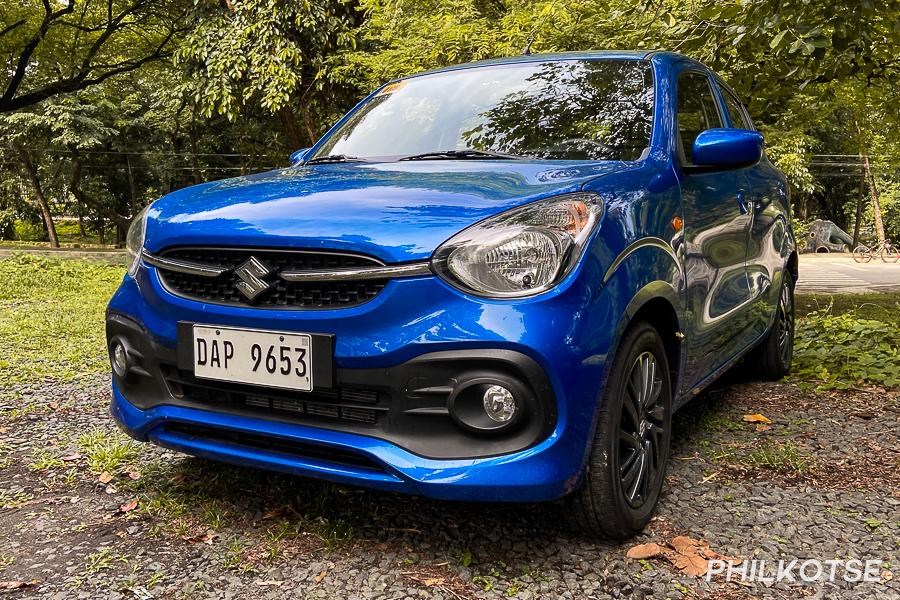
[793,265]
[659,304]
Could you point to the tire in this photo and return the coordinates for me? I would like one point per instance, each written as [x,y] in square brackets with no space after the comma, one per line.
[890,254]
[862,254]
[771,360]
[609,504]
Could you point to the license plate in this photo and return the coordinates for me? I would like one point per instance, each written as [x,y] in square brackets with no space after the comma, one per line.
[266,358]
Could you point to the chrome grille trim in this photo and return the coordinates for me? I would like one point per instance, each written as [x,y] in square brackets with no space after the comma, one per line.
[385,272]
[183,266]
[353,274]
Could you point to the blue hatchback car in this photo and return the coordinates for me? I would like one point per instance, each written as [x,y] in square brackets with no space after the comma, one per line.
[493,282]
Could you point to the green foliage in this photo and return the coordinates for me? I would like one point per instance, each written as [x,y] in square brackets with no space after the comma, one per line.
[51,317]
[841,351]
[263,51]
[26,231]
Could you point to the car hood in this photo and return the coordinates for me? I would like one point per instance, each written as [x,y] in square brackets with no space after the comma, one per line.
[397,211]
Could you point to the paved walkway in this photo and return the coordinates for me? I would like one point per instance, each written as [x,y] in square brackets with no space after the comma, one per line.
[839,273]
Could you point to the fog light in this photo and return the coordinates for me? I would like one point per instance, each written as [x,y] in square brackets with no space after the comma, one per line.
[499,404]
[119,358]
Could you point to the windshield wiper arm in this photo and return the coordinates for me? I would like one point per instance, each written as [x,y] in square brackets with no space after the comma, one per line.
[333,158]
[461,154]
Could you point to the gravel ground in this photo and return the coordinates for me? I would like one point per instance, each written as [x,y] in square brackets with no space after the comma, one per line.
[822,480]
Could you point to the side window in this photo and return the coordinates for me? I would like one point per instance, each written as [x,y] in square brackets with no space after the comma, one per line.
[697,110]
[738,116]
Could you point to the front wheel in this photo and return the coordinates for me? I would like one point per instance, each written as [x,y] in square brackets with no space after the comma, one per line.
[862,254]
[889,253]
[627,464]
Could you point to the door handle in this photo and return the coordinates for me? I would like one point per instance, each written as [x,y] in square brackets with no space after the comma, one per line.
[742,206]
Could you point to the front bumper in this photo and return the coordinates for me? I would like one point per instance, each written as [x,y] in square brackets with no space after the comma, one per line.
[397,349]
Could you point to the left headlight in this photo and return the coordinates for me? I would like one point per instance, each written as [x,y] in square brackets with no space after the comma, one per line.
[134,241]
[523,251]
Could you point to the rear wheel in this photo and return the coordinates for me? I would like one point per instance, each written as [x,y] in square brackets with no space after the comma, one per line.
[627,465]
[772,358]
[889,253]
[862,254]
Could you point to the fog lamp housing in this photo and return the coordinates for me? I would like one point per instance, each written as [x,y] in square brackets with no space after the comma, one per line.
[489,404]
[118,357]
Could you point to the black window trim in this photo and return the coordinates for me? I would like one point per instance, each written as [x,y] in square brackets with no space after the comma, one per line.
[679,147]
[725,91]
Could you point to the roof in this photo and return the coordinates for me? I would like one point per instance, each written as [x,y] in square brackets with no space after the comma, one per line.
[557,56]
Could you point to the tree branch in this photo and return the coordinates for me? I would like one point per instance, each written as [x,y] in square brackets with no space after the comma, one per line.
[25,57]
[15,25]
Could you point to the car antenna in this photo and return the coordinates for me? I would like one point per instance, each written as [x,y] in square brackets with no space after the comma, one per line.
[533,34]
[527,50]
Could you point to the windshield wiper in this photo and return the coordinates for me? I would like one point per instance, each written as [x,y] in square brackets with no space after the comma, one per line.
[461,154]
[333,158]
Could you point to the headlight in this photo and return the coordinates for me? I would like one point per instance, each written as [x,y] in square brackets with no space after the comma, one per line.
[134,241]
[523,251]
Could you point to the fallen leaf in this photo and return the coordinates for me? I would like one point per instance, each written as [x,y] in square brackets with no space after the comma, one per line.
[886,576]
[207,538]
[763,427]
[278,512]
[692,565]
[17,585]
[757,418]
[128,506]
[318,578]
[688,546]
[645,551]
[111,489]
[105,477]
[433,582]
[134,475]
[71,457]
[54,405]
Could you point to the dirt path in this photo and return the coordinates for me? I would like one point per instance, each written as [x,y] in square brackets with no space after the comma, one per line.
[822,480]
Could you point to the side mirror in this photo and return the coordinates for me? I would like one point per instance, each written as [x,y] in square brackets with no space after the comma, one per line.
[298,156]
[727,148]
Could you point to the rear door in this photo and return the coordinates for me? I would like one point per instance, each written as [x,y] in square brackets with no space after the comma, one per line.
[716,226]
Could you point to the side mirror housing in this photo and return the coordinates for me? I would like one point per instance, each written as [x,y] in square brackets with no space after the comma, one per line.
[298,155]
[727,148]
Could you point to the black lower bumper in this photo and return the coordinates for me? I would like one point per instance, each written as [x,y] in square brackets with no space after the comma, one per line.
[415,405]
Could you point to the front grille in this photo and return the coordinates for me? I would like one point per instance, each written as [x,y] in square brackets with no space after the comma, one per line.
[283,294]
[348,405]
[267,443]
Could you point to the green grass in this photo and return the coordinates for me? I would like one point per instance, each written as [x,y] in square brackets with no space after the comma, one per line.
[108,450]
[51,317]
[879,307]
[780,457]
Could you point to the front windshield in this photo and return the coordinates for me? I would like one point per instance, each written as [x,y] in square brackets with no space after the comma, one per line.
[571,109]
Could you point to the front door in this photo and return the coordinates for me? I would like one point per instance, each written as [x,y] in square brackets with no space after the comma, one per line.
[716,226]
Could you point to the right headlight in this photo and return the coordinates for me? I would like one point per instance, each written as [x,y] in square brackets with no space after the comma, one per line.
[523,251]
[134,240]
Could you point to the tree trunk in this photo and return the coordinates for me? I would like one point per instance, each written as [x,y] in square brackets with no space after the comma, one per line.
[291,128]
[31,170]
[134,202]
[101,209]
[876,206]
[870,179]
[860,201]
